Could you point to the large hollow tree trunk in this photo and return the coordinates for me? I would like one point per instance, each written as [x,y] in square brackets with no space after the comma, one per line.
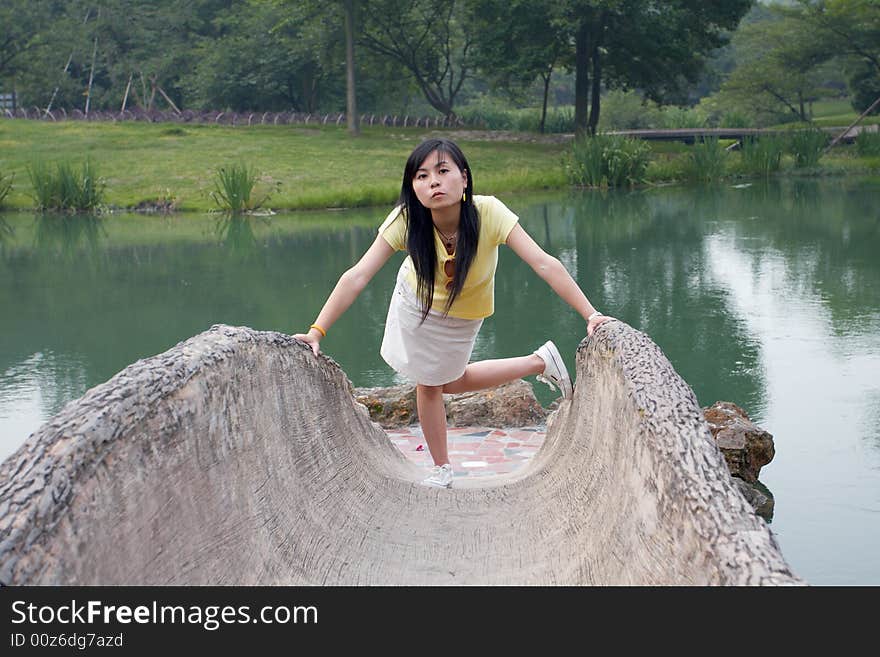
[237,458]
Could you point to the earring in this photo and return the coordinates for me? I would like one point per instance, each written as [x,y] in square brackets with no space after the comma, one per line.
[463,197]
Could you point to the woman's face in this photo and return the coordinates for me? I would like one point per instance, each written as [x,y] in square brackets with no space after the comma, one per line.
[438,182]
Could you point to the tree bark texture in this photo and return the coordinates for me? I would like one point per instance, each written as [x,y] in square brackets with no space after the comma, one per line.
[239,458]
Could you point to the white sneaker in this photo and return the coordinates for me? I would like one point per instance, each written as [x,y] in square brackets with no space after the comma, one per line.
[555,374]
[441,476]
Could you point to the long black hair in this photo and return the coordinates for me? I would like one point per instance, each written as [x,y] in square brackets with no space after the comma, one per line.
[420,225]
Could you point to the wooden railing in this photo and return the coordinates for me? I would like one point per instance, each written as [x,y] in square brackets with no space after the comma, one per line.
[230,118]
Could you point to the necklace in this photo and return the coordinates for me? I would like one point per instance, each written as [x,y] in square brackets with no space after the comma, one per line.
[447,239]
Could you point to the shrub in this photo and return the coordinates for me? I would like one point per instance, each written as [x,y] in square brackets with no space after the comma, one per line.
[706,160]
[607,161]
[735,119]
[65,188]
[721,114]
[488,115]
[235,187]
[559,120]
[672,117]
[627,110]
[807,146]
[556,121]
[762,156]
[868,144]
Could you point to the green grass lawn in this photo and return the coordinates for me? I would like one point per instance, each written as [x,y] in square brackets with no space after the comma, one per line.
[318,167]
[839,112]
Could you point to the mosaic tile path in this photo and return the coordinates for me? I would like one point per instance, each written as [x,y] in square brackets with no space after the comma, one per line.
[474,451]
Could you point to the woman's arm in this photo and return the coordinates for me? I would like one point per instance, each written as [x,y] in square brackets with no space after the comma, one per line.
[350,285]
[556,275]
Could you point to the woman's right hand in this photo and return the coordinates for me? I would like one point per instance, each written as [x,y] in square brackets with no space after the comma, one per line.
[311,339]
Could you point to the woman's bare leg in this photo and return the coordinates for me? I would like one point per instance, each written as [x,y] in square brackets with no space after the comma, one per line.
[477,376]
[491,373]
[432,417]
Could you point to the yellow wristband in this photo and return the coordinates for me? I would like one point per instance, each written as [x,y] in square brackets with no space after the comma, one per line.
[319,329]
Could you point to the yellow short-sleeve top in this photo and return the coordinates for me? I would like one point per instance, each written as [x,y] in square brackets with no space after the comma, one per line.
[477,298]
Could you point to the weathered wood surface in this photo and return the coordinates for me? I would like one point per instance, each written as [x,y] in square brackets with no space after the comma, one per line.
[237,457]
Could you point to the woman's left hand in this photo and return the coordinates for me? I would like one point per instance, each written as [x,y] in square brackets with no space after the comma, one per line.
[593,323]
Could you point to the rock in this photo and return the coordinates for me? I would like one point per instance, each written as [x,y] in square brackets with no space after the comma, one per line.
[758,496]
[390,407]
[510,405]
[746,448]
[745,445]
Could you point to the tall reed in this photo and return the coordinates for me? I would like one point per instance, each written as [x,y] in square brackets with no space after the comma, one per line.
[706,160]
[607,161]
[762,156]
[235,189]
[66,189]
[807,146]
[5,185]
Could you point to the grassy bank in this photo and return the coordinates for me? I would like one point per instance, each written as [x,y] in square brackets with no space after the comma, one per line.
[673,162]
[317,167]
[146,164]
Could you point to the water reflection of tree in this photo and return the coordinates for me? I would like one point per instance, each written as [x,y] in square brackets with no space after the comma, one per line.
[827,235]
[640,257]
[68,236]
[58,377]
[7,232]
[871,419]
[643,261]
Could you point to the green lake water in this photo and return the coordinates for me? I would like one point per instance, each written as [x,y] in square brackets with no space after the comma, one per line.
[764,294]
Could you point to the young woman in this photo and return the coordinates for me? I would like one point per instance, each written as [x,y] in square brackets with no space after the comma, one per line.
[445,288]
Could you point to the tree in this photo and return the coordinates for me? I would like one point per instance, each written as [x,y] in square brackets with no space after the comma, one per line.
[30,59]
[23,26]
[518,43]
[350,90]
[864,84]
[657,47]
[149,43]
[653,45]
[788,60]
[432,39]
[777,72]
[270,57]
[849,31]
[344,13]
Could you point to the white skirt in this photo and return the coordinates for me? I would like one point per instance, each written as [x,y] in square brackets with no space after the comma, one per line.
[433,353]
